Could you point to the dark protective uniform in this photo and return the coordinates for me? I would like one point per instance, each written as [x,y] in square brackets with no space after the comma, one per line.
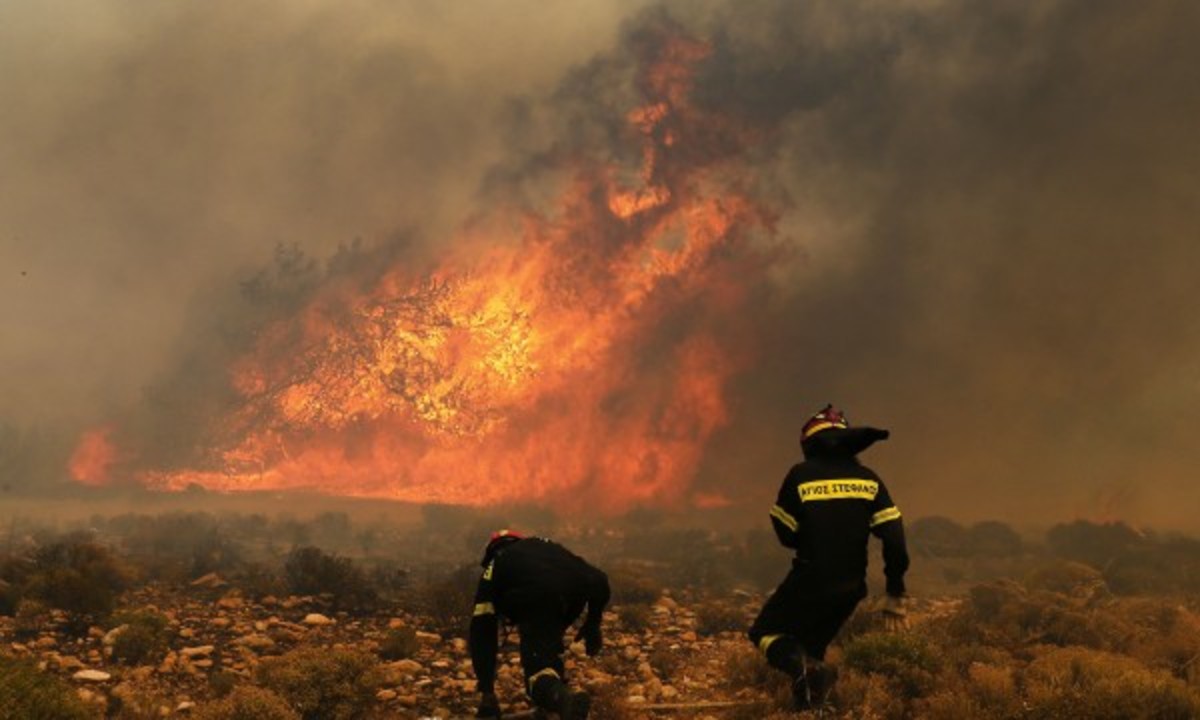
[542,588]
[826,509]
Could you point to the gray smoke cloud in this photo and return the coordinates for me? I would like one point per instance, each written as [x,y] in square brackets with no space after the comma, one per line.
[991,207]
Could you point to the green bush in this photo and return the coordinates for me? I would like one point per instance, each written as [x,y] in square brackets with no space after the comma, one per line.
[323,683]
[143,640]
[905,658]
[27,694]
[248,703]
[399,644]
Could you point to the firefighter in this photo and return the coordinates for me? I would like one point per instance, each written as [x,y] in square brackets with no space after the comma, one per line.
[826,508]
[542,588]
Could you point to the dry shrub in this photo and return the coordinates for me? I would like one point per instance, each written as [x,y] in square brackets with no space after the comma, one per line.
[143,638]
[986,692]
[27,693]
[906,659]
[1083,683]
[1166,635]
[1006,615]
[716,617]
[399,644]
[746,667]
[449,600]
[634,618]
[869,697]
[631,586]
[248,703]
[664,660]
[323,683]
[32,617]
[609,702]
[1072,579]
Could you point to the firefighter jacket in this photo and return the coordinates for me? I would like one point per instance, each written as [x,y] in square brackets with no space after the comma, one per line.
[532,580]
[828,506]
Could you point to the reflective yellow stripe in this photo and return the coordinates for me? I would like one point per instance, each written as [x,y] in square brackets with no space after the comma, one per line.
[885,515]
[766,642]
[485,609]
[487,572]
[823,426]
[839,489]
[540,673]
[784,517]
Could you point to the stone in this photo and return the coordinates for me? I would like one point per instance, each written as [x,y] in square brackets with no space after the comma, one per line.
[386,695]
[91,676]
[198,651]
[317,620]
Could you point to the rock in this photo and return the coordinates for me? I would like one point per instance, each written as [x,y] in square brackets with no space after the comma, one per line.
[317,619]
[184,706]
[385,695]
[110,637]
[396,623]
[91,676]
[231,602]
[402,669]
[209,581]
[198,651]
[255,642]
[428,638]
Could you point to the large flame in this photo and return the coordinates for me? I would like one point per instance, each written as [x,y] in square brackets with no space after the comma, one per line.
[569,355]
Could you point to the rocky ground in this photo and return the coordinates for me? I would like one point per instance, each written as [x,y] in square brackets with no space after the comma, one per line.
[218,637]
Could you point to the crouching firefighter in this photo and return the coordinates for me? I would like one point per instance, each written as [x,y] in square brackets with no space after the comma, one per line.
[826,509]
[542,588]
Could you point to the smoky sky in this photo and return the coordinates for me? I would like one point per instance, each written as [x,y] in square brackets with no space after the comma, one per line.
[990,208]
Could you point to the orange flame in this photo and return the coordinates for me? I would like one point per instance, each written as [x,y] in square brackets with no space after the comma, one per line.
[571,358]
[93,458]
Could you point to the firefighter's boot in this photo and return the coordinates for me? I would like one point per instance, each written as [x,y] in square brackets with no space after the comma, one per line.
[820,677]
[812,681]
[550,695]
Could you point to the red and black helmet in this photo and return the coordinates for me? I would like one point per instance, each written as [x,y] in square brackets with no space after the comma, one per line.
[499,539]
[827,419]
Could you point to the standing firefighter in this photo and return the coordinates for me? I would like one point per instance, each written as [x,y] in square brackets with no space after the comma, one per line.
[826,508]
[542,588]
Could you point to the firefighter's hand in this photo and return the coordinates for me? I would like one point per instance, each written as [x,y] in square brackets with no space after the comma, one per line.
[592,639]
[489,707]
[895,613]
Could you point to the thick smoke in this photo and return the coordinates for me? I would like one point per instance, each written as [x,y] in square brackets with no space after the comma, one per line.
[989,205]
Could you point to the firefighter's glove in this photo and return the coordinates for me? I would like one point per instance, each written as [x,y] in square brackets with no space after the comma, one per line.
[489,707]
[591,637]
[895,613]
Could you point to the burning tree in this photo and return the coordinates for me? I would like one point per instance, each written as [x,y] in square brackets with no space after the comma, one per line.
[580,352]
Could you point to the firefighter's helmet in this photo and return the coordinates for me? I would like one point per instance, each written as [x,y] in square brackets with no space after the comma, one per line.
[828,418]
[499,539]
